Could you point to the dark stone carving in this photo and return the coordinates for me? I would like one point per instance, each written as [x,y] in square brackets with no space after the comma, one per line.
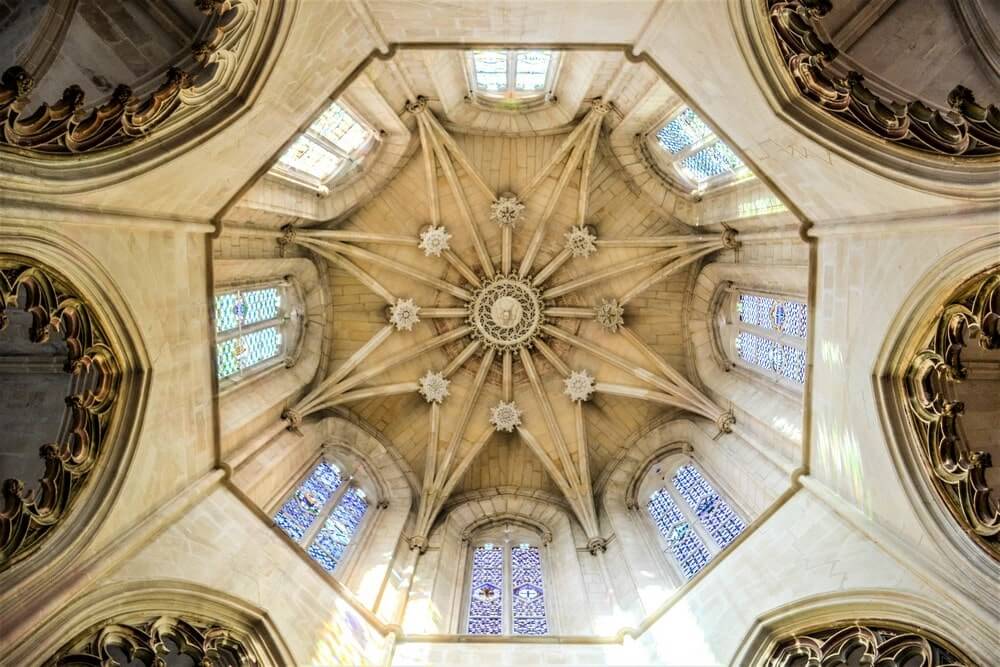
[966,129]
[26,517]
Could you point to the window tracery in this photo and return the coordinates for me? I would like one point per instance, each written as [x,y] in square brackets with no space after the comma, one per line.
[694,521]
[324,514]
[512,76]
[764,333]
[330,148]
[697,159]
[254,329]
[506,586]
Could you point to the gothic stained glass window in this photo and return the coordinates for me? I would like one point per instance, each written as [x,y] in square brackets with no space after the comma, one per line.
[528,593]
[300,511]
[770,343]
[520,75]
[244,351]
[486,595]
[686,546]
[696,154]
[328,547]
[244,308]
[719,519]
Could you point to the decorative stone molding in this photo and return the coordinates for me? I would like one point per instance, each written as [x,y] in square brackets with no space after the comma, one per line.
[434,387]
[506,210]
[610,315]
[597,545]
[26,518]
[294,419]
[508,518]
[967,129]
[155,641]
[872,642]
[726,421]
[581,241]
[601,107]
[434,240]
[417,543]
[579,385]
[506,416]
[957,471]
[404,314]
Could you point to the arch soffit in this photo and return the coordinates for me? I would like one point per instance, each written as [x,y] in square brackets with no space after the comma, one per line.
[95,285]
[951,623]
[527,510]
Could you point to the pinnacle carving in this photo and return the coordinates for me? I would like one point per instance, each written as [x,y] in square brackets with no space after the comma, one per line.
[506,416]
[404,314]
[434,387]
[434,240]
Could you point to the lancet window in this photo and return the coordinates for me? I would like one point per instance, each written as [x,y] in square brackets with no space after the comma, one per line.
[330,148]
[696,158]
[693,520]
[765,333]
[521,76]
[256,327]
[506,587]
[324,514]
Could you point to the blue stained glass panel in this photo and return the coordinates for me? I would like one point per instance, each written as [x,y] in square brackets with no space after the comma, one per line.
[486,596]
[771,355]
[299,512]
[331,541]
[685,129]
[244,308]
[719,519]
[713,160]
[687,548]
[528,590]
[243,351]
[788,317]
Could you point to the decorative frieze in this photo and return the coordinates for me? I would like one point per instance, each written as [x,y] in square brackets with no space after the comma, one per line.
[163,640]
[957,470]
[27,517]
[966,129]
[864,644]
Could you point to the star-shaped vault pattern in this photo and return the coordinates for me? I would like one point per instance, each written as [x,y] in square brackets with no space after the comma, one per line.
[495,310]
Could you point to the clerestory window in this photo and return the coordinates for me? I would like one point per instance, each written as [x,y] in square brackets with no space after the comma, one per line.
[695,157]
[331,147]
[256,327]
[323,515]
[514,76]
[506,589]
[766,334]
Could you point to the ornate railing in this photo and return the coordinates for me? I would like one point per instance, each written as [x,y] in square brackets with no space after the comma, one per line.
[27,517]
[966,129]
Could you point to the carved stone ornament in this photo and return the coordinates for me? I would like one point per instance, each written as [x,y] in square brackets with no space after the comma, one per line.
[581,241]
[506,313]
[404,314]
[66,127]
[506,210]
[579,385]
[505,416]
[434,240]
[967,129]
[157,642]
[610,315]
[863,644]
[434,387]
[27,517]
[957,471]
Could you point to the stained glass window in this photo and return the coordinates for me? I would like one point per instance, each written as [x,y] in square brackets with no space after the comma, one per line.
[300,511]
[324,514]
[696,154]
[486,596]
[332,144]
[244,308]
[528,592]
[243,351]
[331,541]
[719,519]
[684,543]
[512,74]
[771,342]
